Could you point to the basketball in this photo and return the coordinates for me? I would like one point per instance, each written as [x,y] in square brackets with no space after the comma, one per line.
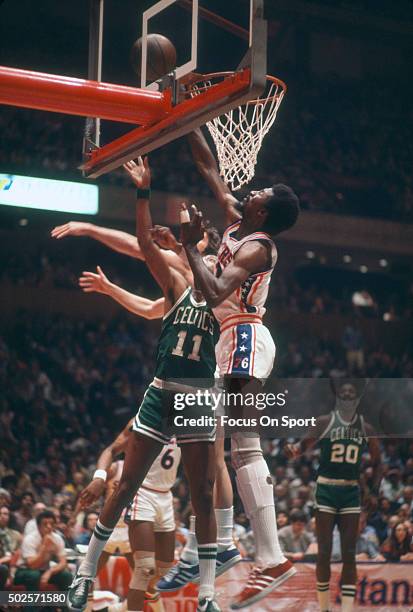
[161,56]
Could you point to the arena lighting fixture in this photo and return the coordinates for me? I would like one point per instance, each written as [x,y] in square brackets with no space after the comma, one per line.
[363,269]
[23,222]
[310,254]
[383,263]
[347,258]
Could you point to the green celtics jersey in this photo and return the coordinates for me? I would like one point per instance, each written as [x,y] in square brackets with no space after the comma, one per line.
[341,445]
[186,348]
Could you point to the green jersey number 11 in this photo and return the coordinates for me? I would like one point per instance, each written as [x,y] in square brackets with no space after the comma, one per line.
[196,345]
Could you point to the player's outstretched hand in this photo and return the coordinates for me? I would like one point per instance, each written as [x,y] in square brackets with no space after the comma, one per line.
[140,172]
[91,493]
[73,228]
[164,238]
[89,281]
[192,230]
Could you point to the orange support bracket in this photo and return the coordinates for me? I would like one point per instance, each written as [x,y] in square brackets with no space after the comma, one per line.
[183,118]
[61,94]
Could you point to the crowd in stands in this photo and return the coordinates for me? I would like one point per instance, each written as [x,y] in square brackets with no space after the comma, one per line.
[69,385]
[50,267]
[325,144]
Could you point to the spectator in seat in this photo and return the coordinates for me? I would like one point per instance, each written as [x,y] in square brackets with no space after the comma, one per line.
[38,550]
[294,539]
[31,526]
[25,511]
[9,543]
[367,546]
[89,524]
[398,546]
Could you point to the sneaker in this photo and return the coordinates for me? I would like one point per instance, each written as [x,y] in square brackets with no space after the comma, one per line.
[208,605]
[178,576]
[262,582]
[77,593]
[226,559]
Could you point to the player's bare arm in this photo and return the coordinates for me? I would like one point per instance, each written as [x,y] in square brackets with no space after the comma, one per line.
[293,451]
[143,307]
[172,283]
[251,258]
[121,242]
[96,487]
[207,166]
[375,457]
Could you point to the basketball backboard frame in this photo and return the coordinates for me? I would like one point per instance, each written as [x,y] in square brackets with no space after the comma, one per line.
[247,82]
[191,64]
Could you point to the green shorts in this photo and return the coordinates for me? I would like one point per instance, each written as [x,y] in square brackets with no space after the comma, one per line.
[338,499]
[159,418]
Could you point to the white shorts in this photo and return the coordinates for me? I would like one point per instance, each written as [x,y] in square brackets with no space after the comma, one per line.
[245,350]
[118,541]
[154,507]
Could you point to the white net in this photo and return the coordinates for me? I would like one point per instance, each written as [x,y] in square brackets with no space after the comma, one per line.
[238,134]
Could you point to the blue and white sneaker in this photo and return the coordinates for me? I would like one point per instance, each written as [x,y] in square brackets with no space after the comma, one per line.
[208,605]
[226,559]
[178,576]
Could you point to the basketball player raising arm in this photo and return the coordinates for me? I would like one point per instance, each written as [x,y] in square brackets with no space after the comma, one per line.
[186,349]
[141,306]
[237,292]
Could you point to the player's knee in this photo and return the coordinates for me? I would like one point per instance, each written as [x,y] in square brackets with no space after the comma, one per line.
[245,449]
[348,556]
[255,486]
[144,570]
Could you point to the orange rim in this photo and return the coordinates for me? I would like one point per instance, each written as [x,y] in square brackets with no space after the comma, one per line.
[200,82]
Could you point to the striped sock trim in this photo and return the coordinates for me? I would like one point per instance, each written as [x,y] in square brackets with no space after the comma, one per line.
[348,590]
[101,532]
[207,551]
[323,586]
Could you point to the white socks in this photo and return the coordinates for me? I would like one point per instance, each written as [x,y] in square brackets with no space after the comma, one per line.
[348,595]
[207,562]
[225,526]
[256,490]
[323,596]
[100,536]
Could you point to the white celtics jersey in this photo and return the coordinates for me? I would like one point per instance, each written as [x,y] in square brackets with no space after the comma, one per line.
[248,301]
[162,475]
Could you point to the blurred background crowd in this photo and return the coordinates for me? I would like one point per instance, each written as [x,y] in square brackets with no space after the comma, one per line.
[73,369]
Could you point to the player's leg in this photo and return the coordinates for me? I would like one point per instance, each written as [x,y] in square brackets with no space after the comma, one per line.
[227,553]
[142,541]
[140,454]
[325,522]
[199,463]
[255,487]
[348,525]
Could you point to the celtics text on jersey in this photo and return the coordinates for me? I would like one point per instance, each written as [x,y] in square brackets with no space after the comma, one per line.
[342,444]
[186,347]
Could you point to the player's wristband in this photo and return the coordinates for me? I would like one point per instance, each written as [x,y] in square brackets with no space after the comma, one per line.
[100,474]
[143,194]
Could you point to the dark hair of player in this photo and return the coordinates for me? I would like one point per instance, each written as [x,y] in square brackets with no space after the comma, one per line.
[283,209]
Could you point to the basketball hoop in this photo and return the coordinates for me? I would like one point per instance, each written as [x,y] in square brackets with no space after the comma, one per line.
[238,134]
